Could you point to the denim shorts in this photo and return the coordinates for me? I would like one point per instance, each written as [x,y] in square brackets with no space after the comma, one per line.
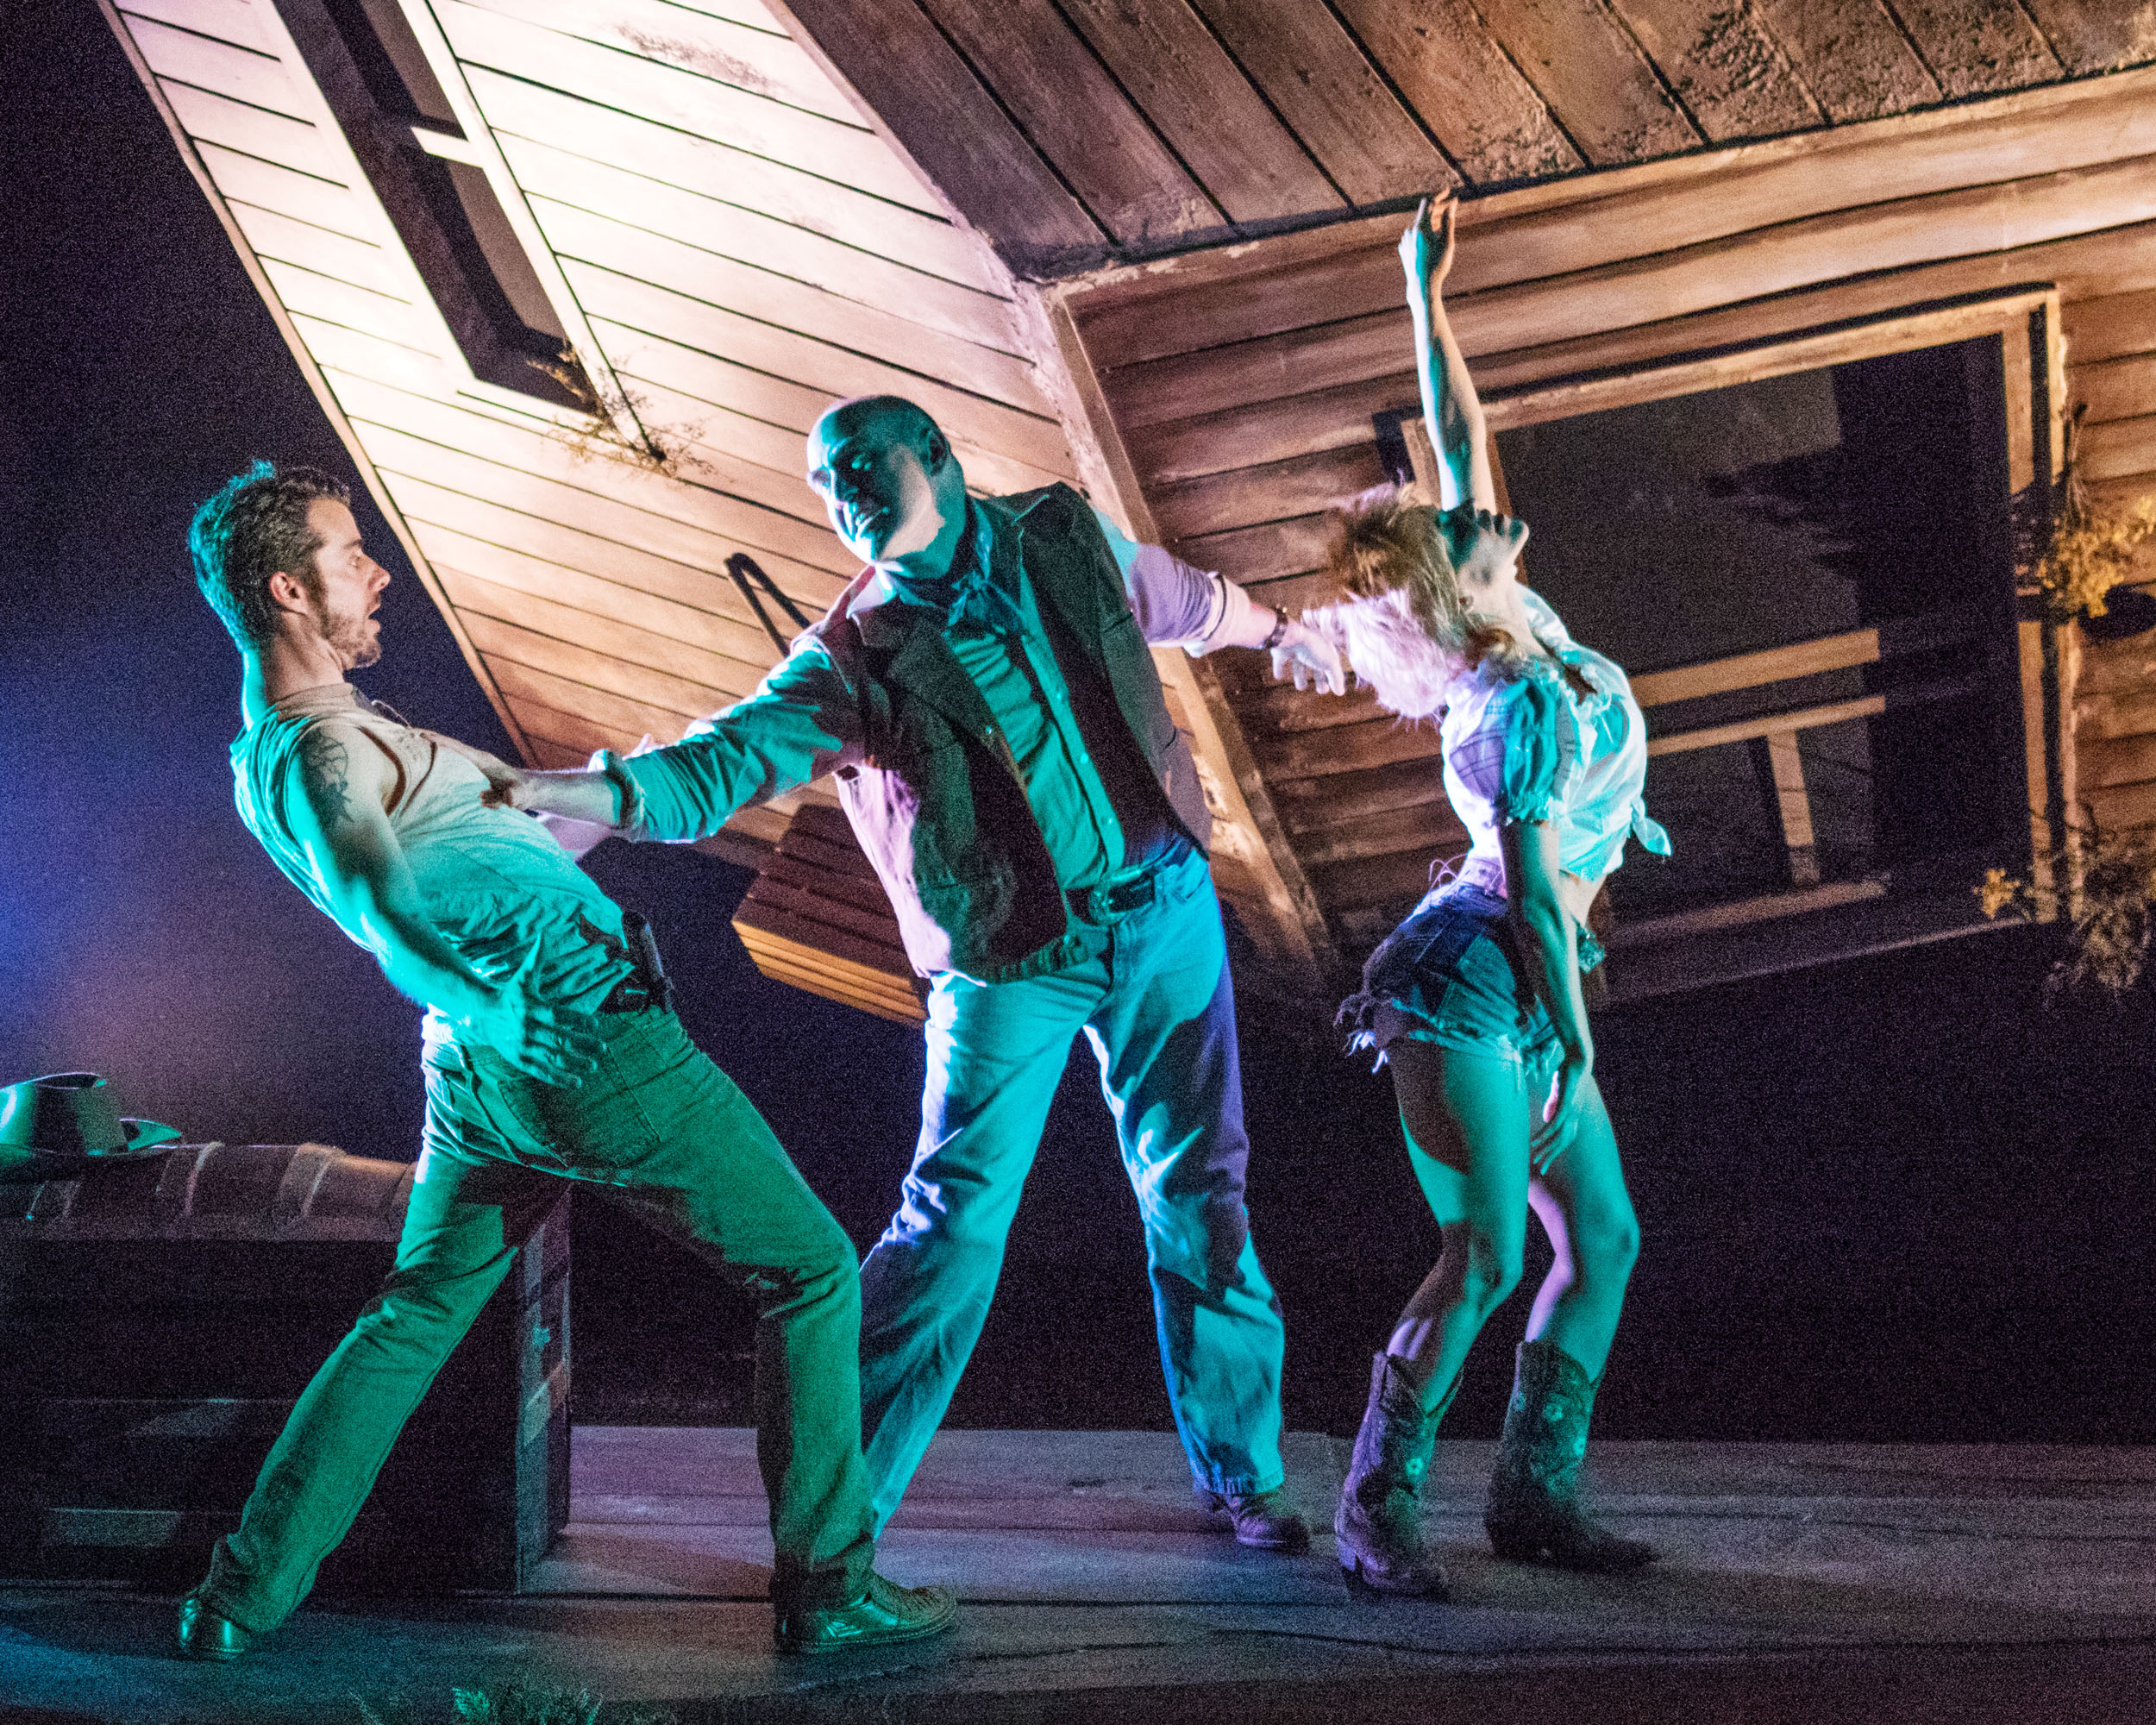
[1447,975]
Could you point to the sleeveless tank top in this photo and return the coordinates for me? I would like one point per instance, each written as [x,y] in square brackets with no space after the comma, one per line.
[493,882]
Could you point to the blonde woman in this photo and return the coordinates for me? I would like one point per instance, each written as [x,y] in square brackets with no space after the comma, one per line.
[1475,1001]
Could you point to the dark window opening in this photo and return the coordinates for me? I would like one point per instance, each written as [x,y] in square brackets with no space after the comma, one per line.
[1790,516]
[375,77]
[391,62]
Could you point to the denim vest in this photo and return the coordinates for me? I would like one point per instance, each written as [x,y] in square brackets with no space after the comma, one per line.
[935,799]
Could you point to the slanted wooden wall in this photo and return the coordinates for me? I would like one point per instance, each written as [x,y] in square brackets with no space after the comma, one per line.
[730,244]
[1240,384]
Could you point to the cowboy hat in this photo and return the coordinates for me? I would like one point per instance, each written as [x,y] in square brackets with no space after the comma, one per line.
[66,1123]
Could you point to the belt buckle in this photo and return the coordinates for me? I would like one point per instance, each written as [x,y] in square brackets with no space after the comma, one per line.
[1121,898]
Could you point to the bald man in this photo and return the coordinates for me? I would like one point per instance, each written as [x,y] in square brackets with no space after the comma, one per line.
[984,694]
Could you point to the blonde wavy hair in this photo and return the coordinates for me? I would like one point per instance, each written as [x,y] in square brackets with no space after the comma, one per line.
[1401,619]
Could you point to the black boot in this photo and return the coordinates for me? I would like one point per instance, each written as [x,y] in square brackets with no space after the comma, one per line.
[1533,1510]
[1378,1526]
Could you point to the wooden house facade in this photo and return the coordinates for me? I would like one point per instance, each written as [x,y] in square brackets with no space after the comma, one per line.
[572,278]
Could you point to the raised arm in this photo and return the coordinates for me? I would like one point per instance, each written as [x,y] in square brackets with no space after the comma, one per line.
[1449,406]
[336,810]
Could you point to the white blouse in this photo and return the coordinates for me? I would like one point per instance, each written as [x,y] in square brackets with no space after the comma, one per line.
[1523,744]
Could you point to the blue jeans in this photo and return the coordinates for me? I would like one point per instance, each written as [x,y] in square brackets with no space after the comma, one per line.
[1151,991]
[662,1131]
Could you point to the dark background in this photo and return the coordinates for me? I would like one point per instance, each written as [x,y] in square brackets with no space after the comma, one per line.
[1894,1198]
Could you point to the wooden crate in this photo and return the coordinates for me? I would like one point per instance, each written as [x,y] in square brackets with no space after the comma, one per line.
[158,1322]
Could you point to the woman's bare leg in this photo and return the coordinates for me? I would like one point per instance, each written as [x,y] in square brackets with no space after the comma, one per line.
[1583,1207]
[1466,1118]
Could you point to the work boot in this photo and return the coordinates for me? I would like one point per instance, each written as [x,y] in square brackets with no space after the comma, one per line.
[1378,1526]
[205,1635]
[884,1615]
[1265,1521]
[1534,1508]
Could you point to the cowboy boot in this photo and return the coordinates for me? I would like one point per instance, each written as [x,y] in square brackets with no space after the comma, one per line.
[1534,1508]
[1378,1526]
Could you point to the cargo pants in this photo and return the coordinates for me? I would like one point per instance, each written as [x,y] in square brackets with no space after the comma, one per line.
[662,1131]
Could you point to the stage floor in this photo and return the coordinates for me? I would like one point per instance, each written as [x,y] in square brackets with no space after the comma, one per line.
[1960,1584]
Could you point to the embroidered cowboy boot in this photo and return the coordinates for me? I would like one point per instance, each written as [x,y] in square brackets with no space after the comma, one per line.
[1378,1526]
[1534,1508]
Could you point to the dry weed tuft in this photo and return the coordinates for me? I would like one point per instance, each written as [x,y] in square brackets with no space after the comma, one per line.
[664,448]
[2091,550]
[2107,946]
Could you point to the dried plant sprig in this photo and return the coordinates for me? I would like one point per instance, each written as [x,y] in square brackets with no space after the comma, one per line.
[2000,892]
[2086,559]
[2091,550]
[662,449]
[2107,945]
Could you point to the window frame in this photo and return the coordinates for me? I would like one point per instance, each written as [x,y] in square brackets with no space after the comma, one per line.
[1796,333]
[382,141]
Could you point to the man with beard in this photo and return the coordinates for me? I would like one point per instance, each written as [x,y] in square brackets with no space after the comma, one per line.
[984,693]
[551,1054]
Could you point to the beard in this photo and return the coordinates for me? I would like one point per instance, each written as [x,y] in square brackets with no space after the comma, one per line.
[357,641]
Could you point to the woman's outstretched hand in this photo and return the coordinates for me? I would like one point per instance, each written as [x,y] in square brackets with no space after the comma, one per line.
[1426,249]
[1311,660]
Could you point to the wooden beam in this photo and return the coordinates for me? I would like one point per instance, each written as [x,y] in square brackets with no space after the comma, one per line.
[2111,327]
[1811,718]
[1977,49]
[1781,771]
[882,287]
[656,240]
[1728,69]
[1320,276]
[762,61]
[1079,121]
[2095,36]
[1245,159]
[1851,55]
[1709,919]
[926,240]
[844,151]
[1460,83]
[1294,927]
[2117,389]
[826,369]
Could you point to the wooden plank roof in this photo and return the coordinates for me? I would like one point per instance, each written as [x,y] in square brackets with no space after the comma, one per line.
[730,244]
[1071,133]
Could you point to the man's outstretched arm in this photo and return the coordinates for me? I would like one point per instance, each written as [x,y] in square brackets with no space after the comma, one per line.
[335,809]
[803,721]
[1177,604]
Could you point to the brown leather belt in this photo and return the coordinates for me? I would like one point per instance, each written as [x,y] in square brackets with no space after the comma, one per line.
[1120,894]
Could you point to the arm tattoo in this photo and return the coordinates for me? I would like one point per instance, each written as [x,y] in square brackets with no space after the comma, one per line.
[326,771]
